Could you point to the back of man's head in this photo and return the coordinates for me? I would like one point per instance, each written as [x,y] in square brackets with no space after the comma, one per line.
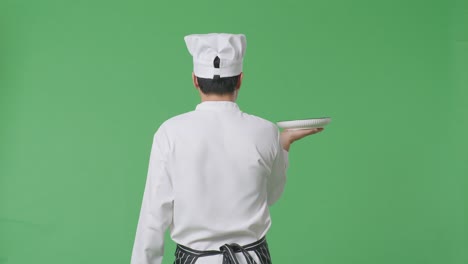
[217,59]
[218,85]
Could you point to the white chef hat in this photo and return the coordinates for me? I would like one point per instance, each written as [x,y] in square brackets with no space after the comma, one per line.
[204,48]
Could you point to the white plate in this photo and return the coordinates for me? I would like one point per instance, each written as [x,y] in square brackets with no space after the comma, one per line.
[304,123]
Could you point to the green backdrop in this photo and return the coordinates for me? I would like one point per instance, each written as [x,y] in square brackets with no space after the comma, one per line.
[85,84]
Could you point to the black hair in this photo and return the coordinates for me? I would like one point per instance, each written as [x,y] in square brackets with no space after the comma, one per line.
[218,85]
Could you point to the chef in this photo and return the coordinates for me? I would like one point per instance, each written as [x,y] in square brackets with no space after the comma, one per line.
[215,171]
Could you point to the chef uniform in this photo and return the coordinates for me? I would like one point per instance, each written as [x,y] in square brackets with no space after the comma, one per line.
[213,174]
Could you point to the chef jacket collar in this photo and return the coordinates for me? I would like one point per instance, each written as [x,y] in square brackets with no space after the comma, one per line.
[218,106]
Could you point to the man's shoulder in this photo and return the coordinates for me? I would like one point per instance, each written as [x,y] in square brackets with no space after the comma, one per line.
[175,120]
[191,115]
[196,117]
[260,121]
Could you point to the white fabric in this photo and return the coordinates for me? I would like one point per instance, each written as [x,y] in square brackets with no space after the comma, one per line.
[204,48]
[213,173]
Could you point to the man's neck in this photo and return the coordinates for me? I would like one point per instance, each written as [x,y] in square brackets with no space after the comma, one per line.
[215,97]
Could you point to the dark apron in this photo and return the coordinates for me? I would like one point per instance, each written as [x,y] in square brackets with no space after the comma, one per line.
[186,255]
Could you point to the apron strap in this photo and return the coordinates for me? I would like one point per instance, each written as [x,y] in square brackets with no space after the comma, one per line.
[230,257]
[185,254]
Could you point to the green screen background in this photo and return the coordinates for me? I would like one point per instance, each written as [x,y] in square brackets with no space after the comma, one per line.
[85,84]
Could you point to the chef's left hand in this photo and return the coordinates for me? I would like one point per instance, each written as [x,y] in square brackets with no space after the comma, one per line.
[289,136]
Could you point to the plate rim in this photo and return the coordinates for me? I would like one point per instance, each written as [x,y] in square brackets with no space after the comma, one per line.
[294,120]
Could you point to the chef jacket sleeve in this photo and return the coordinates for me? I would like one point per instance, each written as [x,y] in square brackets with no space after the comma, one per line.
[277,179]
[157,205]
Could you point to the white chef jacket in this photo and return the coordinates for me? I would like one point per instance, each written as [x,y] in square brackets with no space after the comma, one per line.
[213,173]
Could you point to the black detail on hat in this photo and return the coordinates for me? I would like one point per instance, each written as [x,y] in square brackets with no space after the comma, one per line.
[216,62]
[216,65]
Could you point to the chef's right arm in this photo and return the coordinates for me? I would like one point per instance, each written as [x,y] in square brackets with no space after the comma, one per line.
[156,209]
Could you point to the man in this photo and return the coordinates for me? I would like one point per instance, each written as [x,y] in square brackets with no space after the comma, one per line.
[213,172]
